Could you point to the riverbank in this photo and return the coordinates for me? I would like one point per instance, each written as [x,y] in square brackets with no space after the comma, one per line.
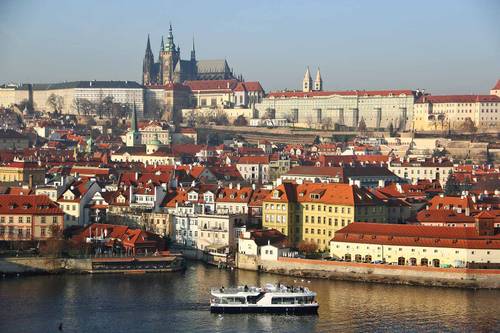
[350,271]
[47,265]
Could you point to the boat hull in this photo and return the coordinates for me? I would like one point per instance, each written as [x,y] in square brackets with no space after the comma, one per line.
[291,310]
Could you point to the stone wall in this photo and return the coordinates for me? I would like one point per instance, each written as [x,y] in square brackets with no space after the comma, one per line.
[412,275]
[43,265]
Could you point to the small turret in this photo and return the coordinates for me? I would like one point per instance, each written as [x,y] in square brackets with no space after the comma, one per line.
[318,82]
[307,82]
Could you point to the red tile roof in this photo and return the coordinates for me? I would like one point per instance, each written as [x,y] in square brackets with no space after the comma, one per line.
[458,99]
[249,86]
[264,159]
[264,236]
[211,85]
[415,235]
[300,94]
[443,202]
[28,204]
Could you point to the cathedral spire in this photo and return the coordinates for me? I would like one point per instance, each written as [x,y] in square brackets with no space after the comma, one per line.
[170,40]
[318,82]
[193,52]
[147,64]
[148,46]
[307,82]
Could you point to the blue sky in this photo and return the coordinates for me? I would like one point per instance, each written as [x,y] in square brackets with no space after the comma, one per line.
[442,46]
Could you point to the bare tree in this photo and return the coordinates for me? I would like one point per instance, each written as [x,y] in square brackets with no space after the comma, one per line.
[191,118]
[469,126]
[362,125]
[220,118]
[240,121]
[84,107]
[56,103]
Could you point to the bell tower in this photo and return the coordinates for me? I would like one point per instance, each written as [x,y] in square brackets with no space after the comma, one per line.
[307,82]
[169,57]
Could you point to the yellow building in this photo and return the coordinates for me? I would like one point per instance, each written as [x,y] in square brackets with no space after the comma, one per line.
[313,212]
[22,172]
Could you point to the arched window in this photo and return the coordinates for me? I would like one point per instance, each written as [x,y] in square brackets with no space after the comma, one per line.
[435,262]
[357,258]
[424,262]
[401,261]
[368,258]
[413,261]
[347,257]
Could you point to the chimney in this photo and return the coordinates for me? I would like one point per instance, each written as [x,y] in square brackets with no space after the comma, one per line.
[467,211]
[30,181]
[254,186]
[238,186]
[231,186]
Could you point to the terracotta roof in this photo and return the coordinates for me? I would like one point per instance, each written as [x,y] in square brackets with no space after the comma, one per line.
[264,236]
[211,85]
[300,94]
[234,195]
[325,193]
[264,159]
[28,204]
[457,99]
[449,202]
[249,86]
[415,235]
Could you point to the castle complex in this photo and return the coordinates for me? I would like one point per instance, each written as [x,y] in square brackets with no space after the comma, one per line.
[170,68]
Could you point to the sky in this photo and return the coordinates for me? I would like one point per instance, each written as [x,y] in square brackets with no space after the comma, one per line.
[441,46]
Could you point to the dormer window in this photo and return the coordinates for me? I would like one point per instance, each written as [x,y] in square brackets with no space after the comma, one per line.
[276,194]
[314,196]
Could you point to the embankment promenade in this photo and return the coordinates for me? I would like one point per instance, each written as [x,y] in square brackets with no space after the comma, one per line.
[378,273]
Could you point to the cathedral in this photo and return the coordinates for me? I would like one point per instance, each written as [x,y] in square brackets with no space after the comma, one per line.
[170,68]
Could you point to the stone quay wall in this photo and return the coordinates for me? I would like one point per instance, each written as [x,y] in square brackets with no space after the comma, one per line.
[410,275]
[38,265]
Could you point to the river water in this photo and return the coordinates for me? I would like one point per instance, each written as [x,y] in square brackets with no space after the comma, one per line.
[178,302]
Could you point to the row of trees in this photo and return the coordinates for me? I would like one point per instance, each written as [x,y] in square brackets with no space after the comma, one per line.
[218,117]
[106,107]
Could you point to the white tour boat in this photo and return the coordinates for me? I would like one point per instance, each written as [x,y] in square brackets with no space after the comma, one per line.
[270,299]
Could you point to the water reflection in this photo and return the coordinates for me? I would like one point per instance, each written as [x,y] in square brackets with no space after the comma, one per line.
[178,302]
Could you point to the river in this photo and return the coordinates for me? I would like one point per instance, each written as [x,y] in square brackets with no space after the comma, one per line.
[177,302]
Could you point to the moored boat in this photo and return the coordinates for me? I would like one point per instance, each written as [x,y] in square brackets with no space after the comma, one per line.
[270,299]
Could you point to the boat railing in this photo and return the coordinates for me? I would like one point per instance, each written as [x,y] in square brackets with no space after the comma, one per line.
[268,288]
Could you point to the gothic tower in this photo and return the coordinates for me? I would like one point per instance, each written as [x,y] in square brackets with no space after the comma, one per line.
[307,82]
[132,136]
[169,57]
[318,82]
[147,65]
